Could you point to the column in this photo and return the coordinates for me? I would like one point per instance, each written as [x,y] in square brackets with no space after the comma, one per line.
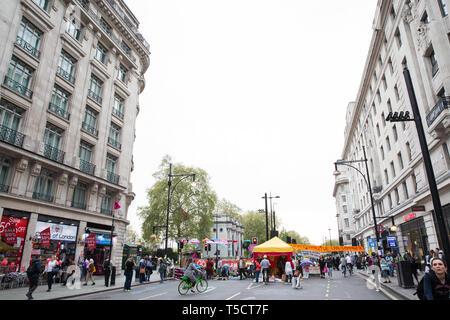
[28,246]
[80,241]
[62,180]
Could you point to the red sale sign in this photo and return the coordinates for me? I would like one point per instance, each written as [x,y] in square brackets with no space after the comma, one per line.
[20,225]
[10,234]
[91,241]
[45,238]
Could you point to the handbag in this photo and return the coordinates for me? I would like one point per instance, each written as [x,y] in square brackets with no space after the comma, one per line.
[296,273]
[142,270]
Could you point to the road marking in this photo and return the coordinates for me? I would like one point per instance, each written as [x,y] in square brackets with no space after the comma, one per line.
[156,295]
[249,298]
[233,296]
[250,286]
[382,290]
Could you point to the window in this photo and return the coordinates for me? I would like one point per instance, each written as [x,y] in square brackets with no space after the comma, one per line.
[59,102]
[397,96]
[383,79]
[382,152]
[408,151]
[111,163]
[414,182]
[379,96]
[66,67]
[398,37]
[390,201]
[42,3]
[114,135]
[392,13]
[29,37]
[391,67]
[397,196]
[52,141]
[393,169]
[443,8]
[105,26]
[106,206]
[383,119]
[10,116]
[125,48]
[118,106]
[378,130]
[74,28]
[405,189]
[19,77]
[90,121]
[394,131]
[43,186]
[425,19]
[85,155]
[100,53]
[400,160]
[95,88]
[5,164]
[346,222]
[122,75]
[434,64]
[79,196]
[388,143]
[344,198]
[344,209]
[386,176]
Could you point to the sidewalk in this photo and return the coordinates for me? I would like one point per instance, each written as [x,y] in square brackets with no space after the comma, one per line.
[58,291]
[407,294]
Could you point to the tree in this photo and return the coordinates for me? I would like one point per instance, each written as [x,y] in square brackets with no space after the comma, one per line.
[294,235]
[254,224]
[131,236]
[333,243]
[191,208]
[225,207]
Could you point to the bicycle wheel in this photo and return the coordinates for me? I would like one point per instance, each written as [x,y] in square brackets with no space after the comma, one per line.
[202,285]
[183,287]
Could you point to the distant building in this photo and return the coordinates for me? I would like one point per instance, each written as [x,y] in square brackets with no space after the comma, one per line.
[226,227]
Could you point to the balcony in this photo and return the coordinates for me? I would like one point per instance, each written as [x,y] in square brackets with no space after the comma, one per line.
[28,47]
[94,96]
[118,114]
[87,167]
[65,75]
[53,153]
[4,188]
[108,212]
[78,205]
[114,143]
[438,119]
[16,86]
[42,196]
[89,129]
[11,136]
[112,177]
[58,111]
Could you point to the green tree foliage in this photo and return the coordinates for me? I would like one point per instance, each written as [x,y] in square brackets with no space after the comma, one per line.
[225,207]
[254,224]
[294,235]
[333,243]
[198,202]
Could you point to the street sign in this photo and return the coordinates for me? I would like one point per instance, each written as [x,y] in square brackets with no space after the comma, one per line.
[380,228]
[372,243]
[392,241]
[418,208]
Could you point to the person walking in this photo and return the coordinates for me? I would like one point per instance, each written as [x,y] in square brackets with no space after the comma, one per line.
[241,266]
[385,270]
[265,266]
[148,268]
[436,282]
[107,271]
[209,269]
[128,272]
[90,272]
[289,269]
[321,267]
[142,265]
[413,265]
[51,269]
[342,266]
[428,259]
[390,262]
[374,268]
[84,266]
[162,269]
[33,273]
[329,265]
[298,275]
[257,269]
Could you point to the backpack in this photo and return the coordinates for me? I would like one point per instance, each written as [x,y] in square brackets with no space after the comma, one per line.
[420,292]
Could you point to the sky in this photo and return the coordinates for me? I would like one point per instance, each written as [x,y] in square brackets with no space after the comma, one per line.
[254,92]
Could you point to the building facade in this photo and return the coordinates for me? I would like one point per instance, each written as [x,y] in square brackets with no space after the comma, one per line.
[412,34]
[229,228]
[71,72]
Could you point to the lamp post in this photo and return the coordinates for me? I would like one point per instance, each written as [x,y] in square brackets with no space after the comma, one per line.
[329,230]
[169,194]
[267,218]
[347,163]
[272,213]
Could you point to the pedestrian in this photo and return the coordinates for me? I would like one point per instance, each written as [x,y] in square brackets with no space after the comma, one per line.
[265,266]
[289,269]
[33,273]
[439,253]
[342,266]
[107,271]
[428,259]
[241,266]
[70,271]
[413,265]
[257,269]
[307,271]
[148,268]
[128,272]
[390,262]
[329,265]
[84,267]
[322,266]
[436,282]
[51,269]
[162,269]
[385,270]
[298,275]
[374,267]
[209,268]
[90,272]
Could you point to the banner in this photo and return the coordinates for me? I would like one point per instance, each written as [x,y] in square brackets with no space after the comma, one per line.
[10,234]
[58,232]
[21,226]
[45,237]
[91,242]
[232,263]
[327,248]
[310,253]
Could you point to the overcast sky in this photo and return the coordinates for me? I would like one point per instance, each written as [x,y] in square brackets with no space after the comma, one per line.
[254,92]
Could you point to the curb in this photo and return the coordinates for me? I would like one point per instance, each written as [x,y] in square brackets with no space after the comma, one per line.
[387,288]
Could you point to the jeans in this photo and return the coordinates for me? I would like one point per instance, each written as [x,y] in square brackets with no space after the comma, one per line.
[391,270]
[330,272]
[50,276]
[289,277]
[257,275]
[33,285]
[265,275]
[128,278]
[161,274]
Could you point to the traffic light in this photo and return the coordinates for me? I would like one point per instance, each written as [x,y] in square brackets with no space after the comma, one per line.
[255,240]
[288,239]
[206,247]
[209,246]
[246,244]
[181,244]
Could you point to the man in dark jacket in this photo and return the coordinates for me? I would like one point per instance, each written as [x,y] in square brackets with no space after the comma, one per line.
[107,271]
[33,273]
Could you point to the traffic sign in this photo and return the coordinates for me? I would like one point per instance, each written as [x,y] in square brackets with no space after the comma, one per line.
[392,241]
[380,228]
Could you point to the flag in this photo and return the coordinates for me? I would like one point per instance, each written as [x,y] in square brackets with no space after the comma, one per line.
[184,213]
[91,241]
[116,205]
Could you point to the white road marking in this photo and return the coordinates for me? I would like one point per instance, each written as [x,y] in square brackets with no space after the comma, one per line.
[382,290]
[156,295]
[233,296]
[250,286]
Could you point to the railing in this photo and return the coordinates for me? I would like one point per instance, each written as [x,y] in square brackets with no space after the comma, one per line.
[78,205]
[114,143]
[117,113]
[11,136]
[28,47]
[58,111]
[42,196]
[94,96]
[53,153]
[89,129]
[65,75]
[109,212]
[87,167]
[23,90]
[440,106]
[4,188]
[112,177]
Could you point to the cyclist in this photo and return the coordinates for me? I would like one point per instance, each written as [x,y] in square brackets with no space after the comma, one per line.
[192,272]
[265,266]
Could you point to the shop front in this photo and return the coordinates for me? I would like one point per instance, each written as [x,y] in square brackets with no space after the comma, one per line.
[101,250]
[13,230]
[415,239]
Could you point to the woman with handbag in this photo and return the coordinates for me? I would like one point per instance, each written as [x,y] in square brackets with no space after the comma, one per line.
[90,272]
[298,274]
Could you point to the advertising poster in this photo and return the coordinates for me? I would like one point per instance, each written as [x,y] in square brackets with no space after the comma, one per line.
[91,242]
[45,237]
[10,234]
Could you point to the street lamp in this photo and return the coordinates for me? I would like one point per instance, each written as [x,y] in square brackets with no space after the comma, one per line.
[329,230]
[169,194]
[346,163]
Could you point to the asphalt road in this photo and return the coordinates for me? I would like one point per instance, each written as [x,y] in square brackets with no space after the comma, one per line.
[338,288]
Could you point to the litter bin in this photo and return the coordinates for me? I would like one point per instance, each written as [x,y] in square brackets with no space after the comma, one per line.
[404,274]
[113,275]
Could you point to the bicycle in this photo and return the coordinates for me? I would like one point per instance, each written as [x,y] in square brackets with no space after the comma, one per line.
[186,284]
[350,269]
[344,270]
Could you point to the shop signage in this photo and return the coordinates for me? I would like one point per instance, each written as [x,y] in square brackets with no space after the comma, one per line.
[409,217]
[392,241]
[58,232]
[45,237]
[372,243]
[10,234]
[20,225]
[91,241]
[380,228]
[418,208]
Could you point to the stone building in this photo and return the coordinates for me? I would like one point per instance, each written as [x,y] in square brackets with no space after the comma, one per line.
[71,73]
[412,34]
[229,228]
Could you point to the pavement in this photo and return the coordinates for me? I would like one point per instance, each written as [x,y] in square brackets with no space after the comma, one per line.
[60,292]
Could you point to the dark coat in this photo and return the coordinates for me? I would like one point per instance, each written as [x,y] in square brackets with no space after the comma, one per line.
[433,288]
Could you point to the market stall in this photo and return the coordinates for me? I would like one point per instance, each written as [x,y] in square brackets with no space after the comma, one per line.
[277,252]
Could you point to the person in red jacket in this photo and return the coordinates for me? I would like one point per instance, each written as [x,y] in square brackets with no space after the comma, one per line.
[257,268]
[209,269]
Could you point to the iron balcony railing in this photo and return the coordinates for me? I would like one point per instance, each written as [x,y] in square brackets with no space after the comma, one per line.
[58,111]
[94,96]
[114,143]
[28,47]
[87,167]
[440,106]
[53,153]
[16,86]
[112,177]
[109,212]
[4,188]
[42,196]
[117,113]
[65,75]
[78,205]
[90,129]
[11,136]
